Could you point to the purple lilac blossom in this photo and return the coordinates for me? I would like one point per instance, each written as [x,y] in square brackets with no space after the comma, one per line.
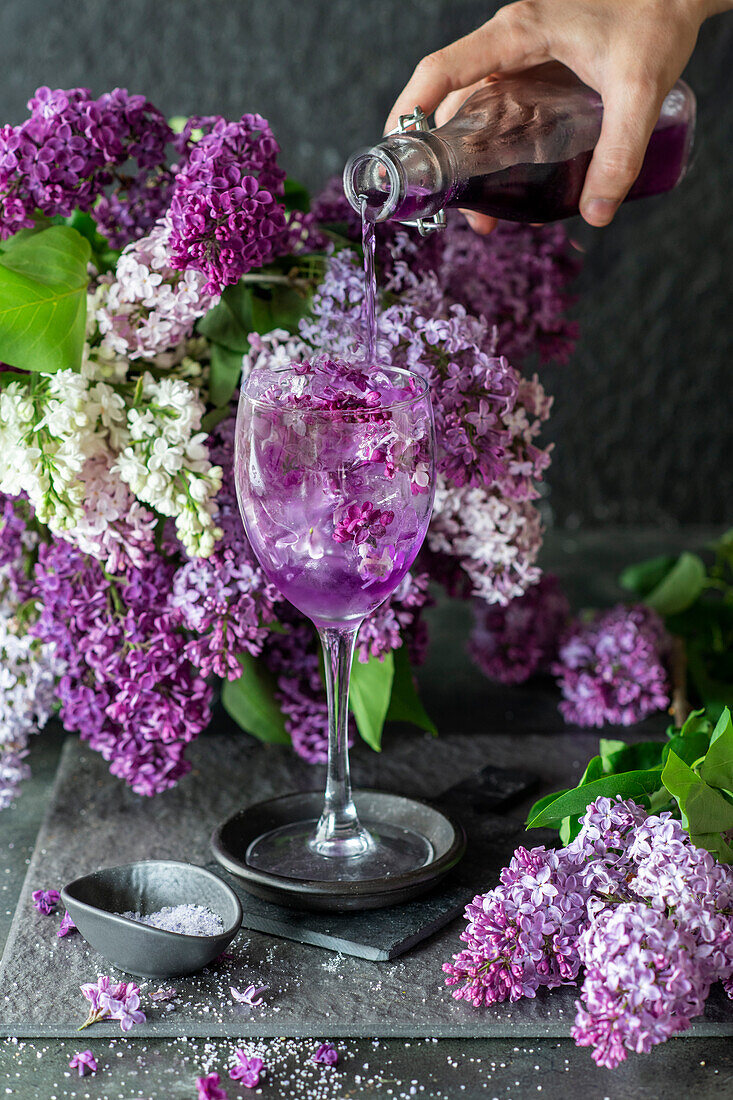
[247,1070]
[517,277]
[327,1054]
[224,601]
[85,1062]
[224,213]
[512,643]
[129,687]
[108,1001]
[632,901]
[72,148]
[612,669]
[46,901]
[524,933]
[210,1088]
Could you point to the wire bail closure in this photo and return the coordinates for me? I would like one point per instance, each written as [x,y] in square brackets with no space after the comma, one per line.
[418,120]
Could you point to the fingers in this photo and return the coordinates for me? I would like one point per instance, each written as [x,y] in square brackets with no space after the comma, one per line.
[508,41]
[630,114]
[480,223]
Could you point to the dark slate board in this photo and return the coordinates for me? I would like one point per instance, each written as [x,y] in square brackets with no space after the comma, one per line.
[383,934]
[94,821]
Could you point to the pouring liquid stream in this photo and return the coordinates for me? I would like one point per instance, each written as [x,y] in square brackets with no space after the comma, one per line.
[370,283]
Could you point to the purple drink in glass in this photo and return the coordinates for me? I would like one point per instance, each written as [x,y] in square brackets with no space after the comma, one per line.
[335,473]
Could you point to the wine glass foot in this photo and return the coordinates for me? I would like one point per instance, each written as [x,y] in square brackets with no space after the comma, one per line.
[382,850]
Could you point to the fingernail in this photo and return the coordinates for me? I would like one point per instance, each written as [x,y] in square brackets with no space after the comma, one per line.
[598,211]
[470,217]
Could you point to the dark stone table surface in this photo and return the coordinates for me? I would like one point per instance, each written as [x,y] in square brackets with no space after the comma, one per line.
[524,727]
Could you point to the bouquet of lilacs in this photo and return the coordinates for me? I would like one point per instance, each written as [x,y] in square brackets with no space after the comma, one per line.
[144,266]
[631,909]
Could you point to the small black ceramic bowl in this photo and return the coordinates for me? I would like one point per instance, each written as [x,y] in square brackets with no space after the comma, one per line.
[146,887]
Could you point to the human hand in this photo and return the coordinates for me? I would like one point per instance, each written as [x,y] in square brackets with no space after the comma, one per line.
[630,51]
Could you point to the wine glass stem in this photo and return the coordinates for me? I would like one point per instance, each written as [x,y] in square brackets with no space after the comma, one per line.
[339,833]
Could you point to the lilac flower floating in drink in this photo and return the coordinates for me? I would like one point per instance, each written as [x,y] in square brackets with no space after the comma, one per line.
[250,996]
[84,1062]
[45,901]
[247,1070]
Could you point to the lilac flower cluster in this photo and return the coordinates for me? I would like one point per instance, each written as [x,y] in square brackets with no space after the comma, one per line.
[512,643]
[224,601]
[113,1002]
[72,148]
[129,687]
[612,669]
[517,277]
[224,212]
[631,901]
[29,668]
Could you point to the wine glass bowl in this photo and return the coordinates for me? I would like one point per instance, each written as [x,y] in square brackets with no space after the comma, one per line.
[335,475]
[335,483]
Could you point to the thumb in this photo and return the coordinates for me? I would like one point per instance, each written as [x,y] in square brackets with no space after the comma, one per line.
[630,113]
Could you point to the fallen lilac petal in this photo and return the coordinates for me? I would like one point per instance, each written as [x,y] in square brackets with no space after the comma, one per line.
[163,994]
[67,926]
[247,1070]
[249,995]
[209,1088]
[45,901]
[327,1054]
[85,1062]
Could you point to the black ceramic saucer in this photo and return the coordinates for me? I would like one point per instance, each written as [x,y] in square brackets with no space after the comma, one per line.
[232,839]
[95,901]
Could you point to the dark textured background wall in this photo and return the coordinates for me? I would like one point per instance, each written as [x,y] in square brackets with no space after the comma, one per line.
[643,413]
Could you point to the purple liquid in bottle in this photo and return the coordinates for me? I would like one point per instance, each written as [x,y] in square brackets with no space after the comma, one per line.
[517,149]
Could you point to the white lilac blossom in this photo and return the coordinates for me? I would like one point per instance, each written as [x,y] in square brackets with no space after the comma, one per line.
[148,307]
[495,540]
[166,462]
[631,902]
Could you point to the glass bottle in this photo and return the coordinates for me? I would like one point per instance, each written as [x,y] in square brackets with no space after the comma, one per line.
[517,149]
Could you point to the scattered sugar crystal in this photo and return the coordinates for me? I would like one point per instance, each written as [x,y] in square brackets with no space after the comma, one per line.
[187,920]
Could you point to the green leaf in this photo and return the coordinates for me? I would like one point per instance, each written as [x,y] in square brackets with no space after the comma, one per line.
[593,770]
[717,767]
[296,196]
[405,704]
[225,372]
[214,417]
[540,804]
[703,809]
[369,695]
[635,784]
[642,578]
[689,748]
[697,721]
[250,701]
[43,300]
[680,587]
[715,694]
[277,307]
[230,321]
[627,758]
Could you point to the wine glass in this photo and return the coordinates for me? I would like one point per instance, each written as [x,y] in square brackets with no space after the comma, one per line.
[335,475]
